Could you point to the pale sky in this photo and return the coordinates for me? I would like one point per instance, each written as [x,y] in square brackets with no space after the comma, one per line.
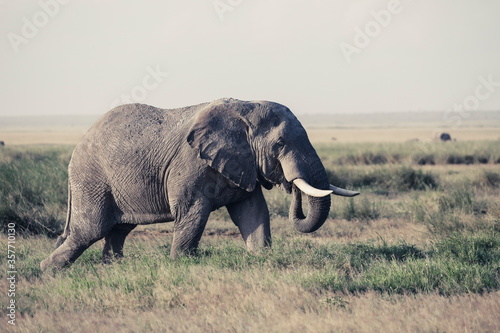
[350,56]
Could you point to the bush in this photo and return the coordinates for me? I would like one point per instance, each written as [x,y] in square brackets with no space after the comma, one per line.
[426,160]
[490,179]
[416,180]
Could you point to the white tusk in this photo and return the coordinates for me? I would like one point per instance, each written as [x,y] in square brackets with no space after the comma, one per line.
[343,192]
[309,190]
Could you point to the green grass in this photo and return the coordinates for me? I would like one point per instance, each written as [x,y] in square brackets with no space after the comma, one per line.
[461,263]
[33,188]
[415,230]
[383,180]
[456,210]
[33,191]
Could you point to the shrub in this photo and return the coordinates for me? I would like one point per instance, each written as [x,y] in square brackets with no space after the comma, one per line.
[416,180]
[466,159]
[491,179]
[370,158]
[426,160]
[483,159]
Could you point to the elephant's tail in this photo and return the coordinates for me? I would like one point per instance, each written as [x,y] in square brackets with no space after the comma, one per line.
[65,233]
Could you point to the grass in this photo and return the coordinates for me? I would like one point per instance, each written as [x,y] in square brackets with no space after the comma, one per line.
[301,276]
[383,179]
[411,153]
[419,250]
[33,188]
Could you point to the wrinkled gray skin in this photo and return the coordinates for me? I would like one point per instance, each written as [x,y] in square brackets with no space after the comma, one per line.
[140,164]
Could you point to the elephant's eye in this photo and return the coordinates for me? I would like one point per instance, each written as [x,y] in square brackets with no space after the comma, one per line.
[281,143]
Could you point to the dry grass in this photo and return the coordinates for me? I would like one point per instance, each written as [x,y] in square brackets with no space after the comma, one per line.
[36,136]
[330,135]
[72,135]
[224,304]
[282,309]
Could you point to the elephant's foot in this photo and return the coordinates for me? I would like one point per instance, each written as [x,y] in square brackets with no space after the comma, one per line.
[44,265]
[51,263]
[114,241]
[64,255]
[109,259]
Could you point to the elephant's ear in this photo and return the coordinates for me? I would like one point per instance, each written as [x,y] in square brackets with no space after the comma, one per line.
[220,135]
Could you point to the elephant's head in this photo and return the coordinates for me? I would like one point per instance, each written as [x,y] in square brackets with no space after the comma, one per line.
[263,142]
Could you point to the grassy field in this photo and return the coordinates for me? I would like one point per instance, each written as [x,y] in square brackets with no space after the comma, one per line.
[418,251]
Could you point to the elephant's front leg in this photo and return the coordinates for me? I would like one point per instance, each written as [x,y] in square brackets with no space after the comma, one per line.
[114,241]
[252,218]
[188,228]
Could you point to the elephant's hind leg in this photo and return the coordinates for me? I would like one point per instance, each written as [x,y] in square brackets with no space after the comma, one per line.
[66,253]
[114,241]
[86,227]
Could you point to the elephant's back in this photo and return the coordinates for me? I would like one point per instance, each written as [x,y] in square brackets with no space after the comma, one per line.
[129,136]
[135,124]
[133,120]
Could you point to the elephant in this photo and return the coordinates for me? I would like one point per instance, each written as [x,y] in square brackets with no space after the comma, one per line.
[139,164]
[445,137]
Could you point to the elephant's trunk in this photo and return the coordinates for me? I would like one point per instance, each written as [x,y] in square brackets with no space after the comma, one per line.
[308,177]
[319,208]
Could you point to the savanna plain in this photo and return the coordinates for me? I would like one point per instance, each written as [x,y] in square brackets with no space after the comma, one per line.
[417,251]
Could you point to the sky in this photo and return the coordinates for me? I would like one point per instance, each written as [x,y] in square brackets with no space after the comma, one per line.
[69,57]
